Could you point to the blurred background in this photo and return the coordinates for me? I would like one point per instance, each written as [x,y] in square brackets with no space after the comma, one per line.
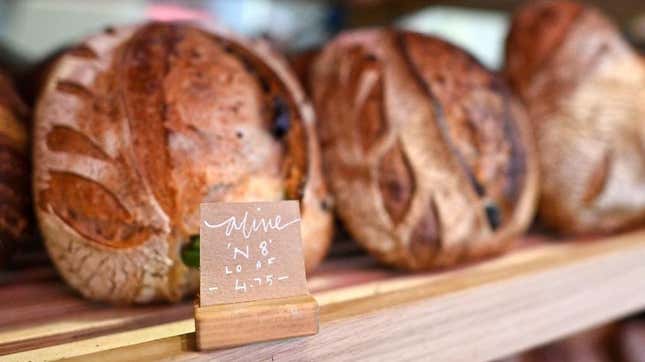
[32,29]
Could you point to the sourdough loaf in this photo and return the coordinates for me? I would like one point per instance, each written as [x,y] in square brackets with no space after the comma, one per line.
[584,90]
[138,125]
[428,156]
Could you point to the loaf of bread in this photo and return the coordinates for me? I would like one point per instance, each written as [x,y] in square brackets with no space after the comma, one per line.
[584,90]
[429,158]
[138,125]
[14,169]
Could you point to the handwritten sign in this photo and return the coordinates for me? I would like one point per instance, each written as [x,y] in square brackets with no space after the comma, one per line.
[250,251]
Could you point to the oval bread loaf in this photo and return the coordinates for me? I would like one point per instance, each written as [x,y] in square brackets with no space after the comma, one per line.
[139,125]
[584,90]
[428,156]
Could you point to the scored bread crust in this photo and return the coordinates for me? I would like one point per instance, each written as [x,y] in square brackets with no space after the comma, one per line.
[138,125]
[583,86]
[429,158]
[14,169]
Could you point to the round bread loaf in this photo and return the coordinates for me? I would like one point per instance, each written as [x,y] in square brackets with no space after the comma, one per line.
[14,169]
[428,156]
[584,90]
[138,125]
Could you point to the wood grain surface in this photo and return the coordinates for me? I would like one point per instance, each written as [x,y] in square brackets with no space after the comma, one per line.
[540,292]
[235,324]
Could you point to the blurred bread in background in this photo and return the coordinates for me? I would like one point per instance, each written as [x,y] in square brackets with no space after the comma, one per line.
[583,86]
[14,169]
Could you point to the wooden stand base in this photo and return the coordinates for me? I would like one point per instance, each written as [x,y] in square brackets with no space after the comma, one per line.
[235,324]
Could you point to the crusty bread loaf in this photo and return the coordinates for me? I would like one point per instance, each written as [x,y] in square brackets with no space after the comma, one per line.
[14,169]
[138,125]
[584,90]
[428,156]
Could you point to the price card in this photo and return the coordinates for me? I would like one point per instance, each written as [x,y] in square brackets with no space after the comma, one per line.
[250,251]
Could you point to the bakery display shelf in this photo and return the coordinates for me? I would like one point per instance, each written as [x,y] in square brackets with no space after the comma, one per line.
[540,291]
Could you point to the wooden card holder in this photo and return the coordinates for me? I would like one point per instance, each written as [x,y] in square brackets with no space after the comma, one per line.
[229,325]
[253,286]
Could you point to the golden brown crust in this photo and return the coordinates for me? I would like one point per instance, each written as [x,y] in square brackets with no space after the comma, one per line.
[14,169]
[583,87]
[429,157]
[137,126]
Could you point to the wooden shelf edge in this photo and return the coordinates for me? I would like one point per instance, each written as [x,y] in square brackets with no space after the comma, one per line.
[481,312]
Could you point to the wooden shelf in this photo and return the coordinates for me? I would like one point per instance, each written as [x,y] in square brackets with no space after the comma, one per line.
[537,293]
